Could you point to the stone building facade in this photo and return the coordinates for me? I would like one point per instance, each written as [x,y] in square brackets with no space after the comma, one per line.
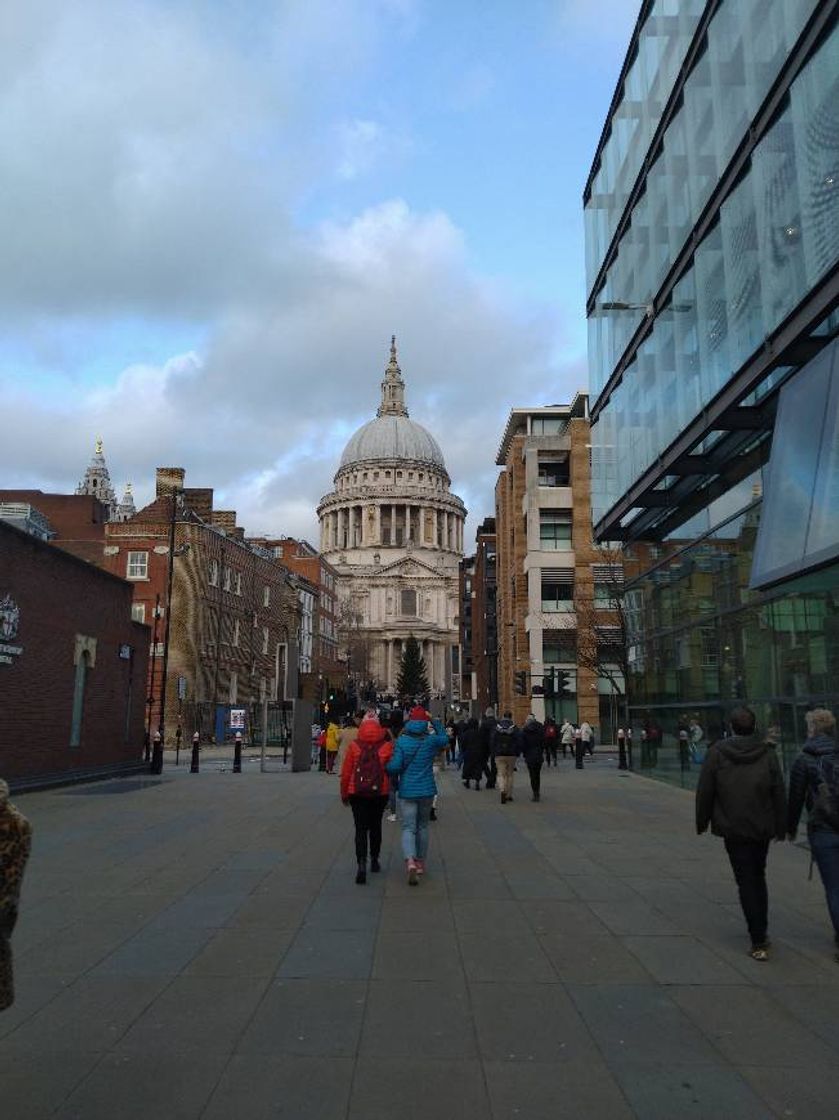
[393,531]
[97,484]
[549,573]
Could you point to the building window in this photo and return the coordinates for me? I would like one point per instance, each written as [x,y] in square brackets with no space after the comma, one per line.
[553,472]
[547,425]
[227,578]
[266,596]
[264,639]
[408,604]
[233,693]
[277,552]
[554,529]
[605,596]
[238,583]
[214,573]
[138,612]
[235,631]
[557,597]
[138,565]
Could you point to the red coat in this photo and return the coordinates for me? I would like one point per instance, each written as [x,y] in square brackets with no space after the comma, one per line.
[370,732]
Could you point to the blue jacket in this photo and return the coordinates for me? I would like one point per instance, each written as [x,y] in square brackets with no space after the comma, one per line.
[413,755]
[804,780]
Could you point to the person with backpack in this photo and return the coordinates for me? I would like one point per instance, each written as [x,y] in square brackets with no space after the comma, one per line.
[814,782]
[551,741]
[506,746]
[741,795]
[364,787]
[413,760]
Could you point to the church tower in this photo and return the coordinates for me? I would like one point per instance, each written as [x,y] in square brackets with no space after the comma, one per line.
[97,481]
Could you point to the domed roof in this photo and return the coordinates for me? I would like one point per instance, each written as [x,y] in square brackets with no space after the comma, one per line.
[393,437]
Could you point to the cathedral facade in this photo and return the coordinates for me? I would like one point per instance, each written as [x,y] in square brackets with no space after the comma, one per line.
[97,483]
[393,530]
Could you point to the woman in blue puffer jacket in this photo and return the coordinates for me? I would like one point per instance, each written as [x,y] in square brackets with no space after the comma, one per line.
[413,755]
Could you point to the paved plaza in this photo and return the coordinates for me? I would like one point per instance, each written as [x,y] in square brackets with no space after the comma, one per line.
[195,946]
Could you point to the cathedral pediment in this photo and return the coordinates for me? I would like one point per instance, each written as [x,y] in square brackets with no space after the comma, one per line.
[409,566]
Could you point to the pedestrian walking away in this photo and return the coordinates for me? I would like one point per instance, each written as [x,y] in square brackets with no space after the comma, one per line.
[333,739]
[566,737]
[587,736]
[364,787]
[741,795]
[551,742]
[487,729]
[533,749]
[413,759]
[506,747]
[15,845]
[814,783]
[470,746]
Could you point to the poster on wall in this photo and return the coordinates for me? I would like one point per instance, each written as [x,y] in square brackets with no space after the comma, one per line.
[237,719]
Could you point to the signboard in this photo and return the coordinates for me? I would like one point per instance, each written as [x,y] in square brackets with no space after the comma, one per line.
[125,652]
[9,625]
[237,719]
[182,688]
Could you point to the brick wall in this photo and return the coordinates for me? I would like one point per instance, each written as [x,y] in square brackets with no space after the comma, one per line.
[62,598]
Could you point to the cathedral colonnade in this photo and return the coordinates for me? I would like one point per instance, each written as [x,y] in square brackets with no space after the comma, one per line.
[391,525]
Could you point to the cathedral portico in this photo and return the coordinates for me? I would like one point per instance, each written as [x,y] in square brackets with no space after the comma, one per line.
[394,531]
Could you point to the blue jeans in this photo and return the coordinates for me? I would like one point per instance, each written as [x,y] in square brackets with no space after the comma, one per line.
[825,849]
[415,813]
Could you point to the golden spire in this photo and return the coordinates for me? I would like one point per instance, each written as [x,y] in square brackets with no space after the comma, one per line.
[393,387]
[98,449]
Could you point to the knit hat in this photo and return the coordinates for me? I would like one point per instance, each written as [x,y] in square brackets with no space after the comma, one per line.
[419,713]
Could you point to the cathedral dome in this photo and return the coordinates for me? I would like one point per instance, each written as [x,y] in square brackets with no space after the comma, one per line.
[393,437]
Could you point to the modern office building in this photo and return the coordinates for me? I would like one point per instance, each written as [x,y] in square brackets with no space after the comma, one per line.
[712,246]
[554,623]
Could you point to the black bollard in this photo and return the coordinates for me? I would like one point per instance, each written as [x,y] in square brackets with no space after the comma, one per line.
[237,754]
[157,754]
[621,750]
[629,745]
[196,740]
[579,749]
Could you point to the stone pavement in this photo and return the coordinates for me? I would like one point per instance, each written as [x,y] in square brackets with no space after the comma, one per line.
[196,947]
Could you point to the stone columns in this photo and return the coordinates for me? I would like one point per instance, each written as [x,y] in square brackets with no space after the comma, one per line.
[434,523]
[378,524]
[407,522]
[392,524]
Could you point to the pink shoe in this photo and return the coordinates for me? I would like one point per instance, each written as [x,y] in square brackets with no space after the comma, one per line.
[413,874]
[420,863]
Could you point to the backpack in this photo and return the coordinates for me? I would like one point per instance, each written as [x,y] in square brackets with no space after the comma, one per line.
[369,772]
[826,796]
[550,731]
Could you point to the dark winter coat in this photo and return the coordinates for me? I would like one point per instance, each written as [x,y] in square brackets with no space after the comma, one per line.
[485,731]
[470,745]
[804,779]
[741,791]
[506,739]
[533,742]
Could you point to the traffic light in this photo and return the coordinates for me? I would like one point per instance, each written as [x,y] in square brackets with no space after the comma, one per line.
[521,682]
[548,681]
[563,683]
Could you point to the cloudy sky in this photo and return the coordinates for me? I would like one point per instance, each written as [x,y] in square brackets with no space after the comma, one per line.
[216,214]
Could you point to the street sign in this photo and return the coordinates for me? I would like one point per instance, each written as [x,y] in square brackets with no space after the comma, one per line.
[182,688]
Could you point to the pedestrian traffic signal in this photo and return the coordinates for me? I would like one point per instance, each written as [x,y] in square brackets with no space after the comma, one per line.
[549,683]
[563,682]
[521,682]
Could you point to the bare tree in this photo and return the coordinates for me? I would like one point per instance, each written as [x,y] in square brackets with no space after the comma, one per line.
[354,644]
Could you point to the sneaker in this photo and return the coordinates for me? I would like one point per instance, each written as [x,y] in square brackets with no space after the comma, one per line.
[361,874]
[503,798]
[413,877]
[432,816]
[375,865]
[392,817]
[420,866]
[760,952]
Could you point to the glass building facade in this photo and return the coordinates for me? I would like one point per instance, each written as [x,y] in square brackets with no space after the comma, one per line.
[712,259]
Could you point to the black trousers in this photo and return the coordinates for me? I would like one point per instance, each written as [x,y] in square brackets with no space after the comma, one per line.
[367,813]
[535,771]
[748,862]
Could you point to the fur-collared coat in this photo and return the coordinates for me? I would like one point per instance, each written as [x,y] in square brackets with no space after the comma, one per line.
[15,844]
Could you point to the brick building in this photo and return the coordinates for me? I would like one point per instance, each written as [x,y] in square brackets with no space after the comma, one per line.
[72,665]
[235,611]
[76,520]
[320,668]
[484,618]
[551,627]
[466,595]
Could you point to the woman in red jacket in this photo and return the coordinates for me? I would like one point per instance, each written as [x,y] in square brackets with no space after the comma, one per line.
[365,787]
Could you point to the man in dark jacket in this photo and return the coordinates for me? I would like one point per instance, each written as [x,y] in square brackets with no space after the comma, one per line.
[506,746]
[741,795]
[485,730]
[814,782]
[533,749]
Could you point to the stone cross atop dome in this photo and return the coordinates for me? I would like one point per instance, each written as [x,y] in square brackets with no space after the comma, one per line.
[393,387]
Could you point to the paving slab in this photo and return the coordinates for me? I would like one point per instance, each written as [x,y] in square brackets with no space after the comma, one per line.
[580,956]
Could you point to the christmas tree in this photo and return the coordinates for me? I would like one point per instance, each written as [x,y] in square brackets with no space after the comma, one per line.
[413,679]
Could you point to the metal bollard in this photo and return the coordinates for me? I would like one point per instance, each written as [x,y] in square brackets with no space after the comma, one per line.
[157,754]
[622,750]
[579,750]
[237,754]
[196,740]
